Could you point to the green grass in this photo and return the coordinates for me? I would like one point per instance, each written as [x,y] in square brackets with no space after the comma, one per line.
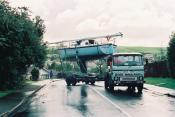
[3,94]
[7,92]
[29,82]
[162,82]
[152,50]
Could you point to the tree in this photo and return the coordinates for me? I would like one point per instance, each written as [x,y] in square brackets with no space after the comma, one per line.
[57,66]
[171,55]
[161,55]
[21,44]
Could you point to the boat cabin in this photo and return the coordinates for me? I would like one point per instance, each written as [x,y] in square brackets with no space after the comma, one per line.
[84,43]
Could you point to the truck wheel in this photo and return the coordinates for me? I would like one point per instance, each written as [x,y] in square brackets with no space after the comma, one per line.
[106,81]
[140,88]
[129,89]
[133,88]
[111,88]
[92,82]
[106,85]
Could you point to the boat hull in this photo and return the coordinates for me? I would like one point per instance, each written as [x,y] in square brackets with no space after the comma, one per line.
[87,52]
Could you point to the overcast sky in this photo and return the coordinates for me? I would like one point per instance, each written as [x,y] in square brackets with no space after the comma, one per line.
[143,22]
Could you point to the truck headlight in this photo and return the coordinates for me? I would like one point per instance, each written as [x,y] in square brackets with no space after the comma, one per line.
[140,78]
[117,78]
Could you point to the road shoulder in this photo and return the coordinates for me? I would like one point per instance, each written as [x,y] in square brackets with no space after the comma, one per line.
[13,102]
[162,90]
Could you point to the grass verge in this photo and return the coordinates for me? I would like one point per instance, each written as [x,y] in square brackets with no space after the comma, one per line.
[162,82]
[29,82]
[7,92]
[3,94]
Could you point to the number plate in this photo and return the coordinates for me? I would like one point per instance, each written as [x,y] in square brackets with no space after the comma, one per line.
[128,79]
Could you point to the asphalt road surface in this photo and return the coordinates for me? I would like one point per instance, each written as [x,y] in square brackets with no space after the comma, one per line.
[59,100]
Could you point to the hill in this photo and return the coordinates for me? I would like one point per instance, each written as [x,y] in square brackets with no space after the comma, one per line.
[152,50]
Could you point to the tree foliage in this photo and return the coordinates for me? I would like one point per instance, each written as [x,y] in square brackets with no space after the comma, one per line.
[171,55]
[66,67]
[21,44]
[161,55]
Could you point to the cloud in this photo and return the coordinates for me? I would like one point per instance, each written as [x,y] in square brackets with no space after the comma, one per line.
[146,22]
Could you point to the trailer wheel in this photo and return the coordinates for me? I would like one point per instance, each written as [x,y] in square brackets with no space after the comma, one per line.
[92,82]
[68,81]
[87,82]
[74,84]
[74,81]
[140,88]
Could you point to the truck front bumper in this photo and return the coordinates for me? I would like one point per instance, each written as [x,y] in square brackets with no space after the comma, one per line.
[126,83]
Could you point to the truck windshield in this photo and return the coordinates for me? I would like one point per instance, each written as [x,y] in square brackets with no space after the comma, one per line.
[127,60]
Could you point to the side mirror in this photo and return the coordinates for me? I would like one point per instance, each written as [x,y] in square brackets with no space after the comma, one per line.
[146,61]
[109,61]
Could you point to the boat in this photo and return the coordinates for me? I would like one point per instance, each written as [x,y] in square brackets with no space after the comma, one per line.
[87,51]
[88,48]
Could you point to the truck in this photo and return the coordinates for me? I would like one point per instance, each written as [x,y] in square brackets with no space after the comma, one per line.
[125,69]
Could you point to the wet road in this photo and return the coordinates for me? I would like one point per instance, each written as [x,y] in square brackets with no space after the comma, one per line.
[82,100]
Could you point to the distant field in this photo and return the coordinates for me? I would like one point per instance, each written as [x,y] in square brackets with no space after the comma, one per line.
[152,50]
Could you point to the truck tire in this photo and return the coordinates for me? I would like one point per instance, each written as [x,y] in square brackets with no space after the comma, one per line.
[140,88]
[92,82]
[106,85]
[111,88]
[131,89]
[106,81]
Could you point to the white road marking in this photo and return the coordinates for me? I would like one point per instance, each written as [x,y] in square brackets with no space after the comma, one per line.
[115,105]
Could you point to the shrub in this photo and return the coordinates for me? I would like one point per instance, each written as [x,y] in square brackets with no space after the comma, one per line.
[35,74]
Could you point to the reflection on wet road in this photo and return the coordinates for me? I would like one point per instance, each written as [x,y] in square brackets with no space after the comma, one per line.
[148,104]
[57,99]
[81,104]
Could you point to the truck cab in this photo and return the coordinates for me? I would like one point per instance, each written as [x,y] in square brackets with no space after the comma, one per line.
[125,69]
